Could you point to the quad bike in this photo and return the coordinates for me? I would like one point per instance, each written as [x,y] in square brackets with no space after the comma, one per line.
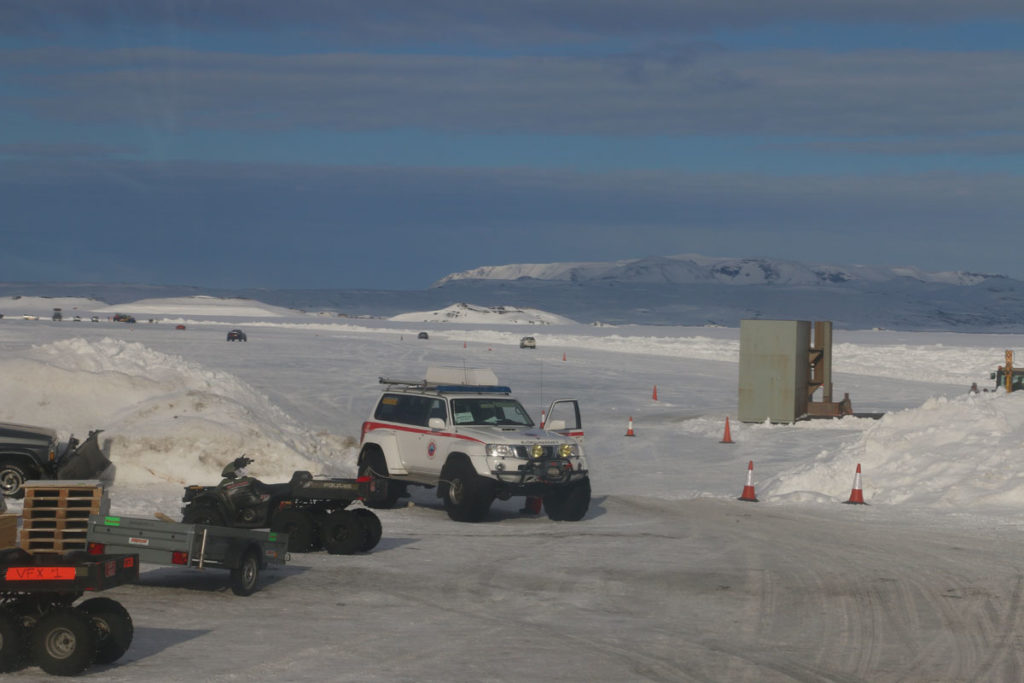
[311,511]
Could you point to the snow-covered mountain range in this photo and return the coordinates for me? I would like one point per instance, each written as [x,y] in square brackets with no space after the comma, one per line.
[693,269]
[682,290]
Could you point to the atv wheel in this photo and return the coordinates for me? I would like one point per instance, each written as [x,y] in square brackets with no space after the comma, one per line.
[384,493]
[300,527]
[344,533]
[114,626]
[63,642]
[12,640]
[245,577]
[467,496]
[203,514]
[568,503]
[12,480]
[371,523]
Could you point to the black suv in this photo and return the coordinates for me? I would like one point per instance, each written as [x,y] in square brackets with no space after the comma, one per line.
[237,335]
[32,453]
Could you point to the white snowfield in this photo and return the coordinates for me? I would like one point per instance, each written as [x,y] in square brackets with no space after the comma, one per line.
[668,578]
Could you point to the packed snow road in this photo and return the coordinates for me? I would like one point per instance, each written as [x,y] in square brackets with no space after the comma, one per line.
[668,578]
[644,589]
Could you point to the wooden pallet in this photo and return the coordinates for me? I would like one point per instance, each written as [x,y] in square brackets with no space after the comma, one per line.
[52,545]
[63,498]
[55,516]
[8,530]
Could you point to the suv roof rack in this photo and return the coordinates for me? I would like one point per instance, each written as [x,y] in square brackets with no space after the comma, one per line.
[424,385]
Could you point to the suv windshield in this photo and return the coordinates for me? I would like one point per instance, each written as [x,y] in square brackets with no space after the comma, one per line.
[489,411]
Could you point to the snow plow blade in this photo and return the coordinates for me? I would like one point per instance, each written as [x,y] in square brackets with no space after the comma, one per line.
[86,461]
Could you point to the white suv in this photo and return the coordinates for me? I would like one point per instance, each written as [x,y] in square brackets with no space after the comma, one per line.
[460,431]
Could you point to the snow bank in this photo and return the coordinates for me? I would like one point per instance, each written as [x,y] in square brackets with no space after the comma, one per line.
[164,419]
[201,306]
[949,453]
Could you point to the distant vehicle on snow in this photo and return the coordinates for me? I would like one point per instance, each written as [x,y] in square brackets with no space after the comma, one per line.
[527,343]
[122,318]
[423,335]
[237,335]
[179,327]
[95,319]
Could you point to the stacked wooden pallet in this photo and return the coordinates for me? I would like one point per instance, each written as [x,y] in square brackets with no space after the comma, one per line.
[55,517]
[8,530]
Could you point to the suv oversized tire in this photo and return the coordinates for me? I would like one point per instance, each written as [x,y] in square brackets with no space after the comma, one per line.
[384,493]
[467,496]
[568,503]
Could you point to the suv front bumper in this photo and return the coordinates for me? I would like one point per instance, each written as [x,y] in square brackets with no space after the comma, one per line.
[539,476]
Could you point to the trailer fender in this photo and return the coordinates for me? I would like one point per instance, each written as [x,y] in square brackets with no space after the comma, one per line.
[237,549]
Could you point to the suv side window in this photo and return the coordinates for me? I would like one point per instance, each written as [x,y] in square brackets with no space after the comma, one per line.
[438,409]
[406,409]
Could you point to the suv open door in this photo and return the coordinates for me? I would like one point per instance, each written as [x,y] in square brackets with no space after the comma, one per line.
[563,417]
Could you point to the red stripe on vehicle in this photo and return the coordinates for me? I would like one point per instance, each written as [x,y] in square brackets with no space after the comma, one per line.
[371,426]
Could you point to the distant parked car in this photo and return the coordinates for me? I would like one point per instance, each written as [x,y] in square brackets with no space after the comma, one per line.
[237,335]
[95,319]
[77,318]
[423,335]
[527,343]
[57,316]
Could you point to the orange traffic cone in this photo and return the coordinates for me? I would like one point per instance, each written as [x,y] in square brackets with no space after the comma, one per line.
[727,438]
[629,430]
[857,494]
[654,394]
[748,490]
[543,418]
[463,344]
[563,355]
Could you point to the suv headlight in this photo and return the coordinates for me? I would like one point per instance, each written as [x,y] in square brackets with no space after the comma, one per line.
[501,450]
[567,450]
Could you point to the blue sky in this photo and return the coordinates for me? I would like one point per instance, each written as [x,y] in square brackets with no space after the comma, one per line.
[385,144]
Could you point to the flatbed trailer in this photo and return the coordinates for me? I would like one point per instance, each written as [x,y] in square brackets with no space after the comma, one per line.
[245,552]
[38,618]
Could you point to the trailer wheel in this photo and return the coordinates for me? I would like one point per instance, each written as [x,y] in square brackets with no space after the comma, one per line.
[12,640]
[568,503]
[63,642]
[467,496]
[300,527]
[12,480]
[245,577]
[203,514]
[113,625]
[373,528]
[344,533]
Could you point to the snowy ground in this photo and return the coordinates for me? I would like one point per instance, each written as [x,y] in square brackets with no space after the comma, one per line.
[668,578]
